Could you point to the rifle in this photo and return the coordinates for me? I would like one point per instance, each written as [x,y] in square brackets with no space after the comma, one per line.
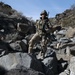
[48,14]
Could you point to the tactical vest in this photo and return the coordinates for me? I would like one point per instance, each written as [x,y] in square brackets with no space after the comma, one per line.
[42,25]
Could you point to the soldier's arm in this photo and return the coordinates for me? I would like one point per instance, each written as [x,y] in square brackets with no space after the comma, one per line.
[50,26]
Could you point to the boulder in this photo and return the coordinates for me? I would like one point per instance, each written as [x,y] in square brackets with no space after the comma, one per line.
[50,66]
[70,32]
[12,60]
[16,46]
[24,28]
[50,63]
[72,66]
[23,71]
[20,45]
[61,32]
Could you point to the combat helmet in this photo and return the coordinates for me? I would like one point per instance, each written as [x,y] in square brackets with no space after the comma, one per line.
[44,12]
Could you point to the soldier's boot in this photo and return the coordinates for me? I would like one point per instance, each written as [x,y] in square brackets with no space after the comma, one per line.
[40,55]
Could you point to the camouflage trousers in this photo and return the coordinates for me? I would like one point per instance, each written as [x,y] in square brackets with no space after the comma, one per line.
[35,39]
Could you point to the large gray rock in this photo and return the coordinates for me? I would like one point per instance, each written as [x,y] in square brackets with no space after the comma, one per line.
[50,63]
[50,66]
[25,28]
[72,66]
[70,32]
[12,60]
[20,45]
[64,40]
[16,46]
[23,71]
[61,32]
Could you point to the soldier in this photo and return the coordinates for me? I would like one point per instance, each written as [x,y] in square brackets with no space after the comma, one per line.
[43,28]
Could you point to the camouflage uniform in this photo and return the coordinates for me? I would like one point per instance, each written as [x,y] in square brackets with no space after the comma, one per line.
[43,28]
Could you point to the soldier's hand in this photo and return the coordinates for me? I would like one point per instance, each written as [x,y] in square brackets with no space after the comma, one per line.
[47,30]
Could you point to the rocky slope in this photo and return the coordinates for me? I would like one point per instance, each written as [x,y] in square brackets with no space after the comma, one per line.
[13,22]
[67,18]
[15,32]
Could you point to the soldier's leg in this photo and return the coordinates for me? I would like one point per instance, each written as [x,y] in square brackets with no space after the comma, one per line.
[44,45]
[33,40]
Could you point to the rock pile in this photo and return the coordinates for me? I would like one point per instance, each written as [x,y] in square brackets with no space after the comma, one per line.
[15,32]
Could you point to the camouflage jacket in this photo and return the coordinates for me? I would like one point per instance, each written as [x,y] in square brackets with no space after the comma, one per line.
[43,26]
